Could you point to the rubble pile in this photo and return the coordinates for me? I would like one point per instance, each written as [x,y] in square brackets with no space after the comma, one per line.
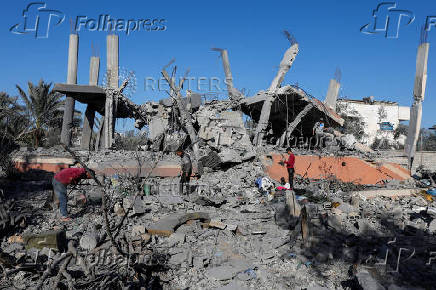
[226,234]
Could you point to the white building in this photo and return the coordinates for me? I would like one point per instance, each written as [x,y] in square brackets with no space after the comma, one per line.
[380,118]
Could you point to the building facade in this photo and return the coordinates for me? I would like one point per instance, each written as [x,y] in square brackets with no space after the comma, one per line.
[379,118]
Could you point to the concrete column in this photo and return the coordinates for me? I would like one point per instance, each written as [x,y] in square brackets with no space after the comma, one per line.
[88,122]
[71,79]
[285,65]
[332,94]
[418,98]
[112,78]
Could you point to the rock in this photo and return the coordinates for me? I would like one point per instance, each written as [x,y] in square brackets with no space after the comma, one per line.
[50,239]
[367,282]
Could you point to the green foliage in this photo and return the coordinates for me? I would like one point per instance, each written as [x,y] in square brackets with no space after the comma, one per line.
[43,109]
[428,140]
[401,130]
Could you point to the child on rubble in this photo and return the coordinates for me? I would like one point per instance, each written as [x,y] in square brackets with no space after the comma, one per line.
[60,182]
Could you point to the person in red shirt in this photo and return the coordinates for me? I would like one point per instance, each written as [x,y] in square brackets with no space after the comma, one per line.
[60,182]
[290,167]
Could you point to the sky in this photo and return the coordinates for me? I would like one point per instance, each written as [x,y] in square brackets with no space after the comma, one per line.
[328,34]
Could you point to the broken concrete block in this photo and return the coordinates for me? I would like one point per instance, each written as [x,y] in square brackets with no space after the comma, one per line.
[137,230]
[198,262]
[170,199]
[231,227]
[136,205]
[88,241]
[146,238]
[167,225]
[216,223]
[50,239]
[178,258]
[229,155]
[157,127]
[119,210]
[176,239]
[432,226]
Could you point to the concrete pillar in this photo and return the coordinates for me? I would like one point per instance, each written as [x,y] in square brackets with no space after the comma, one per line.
[88,122]
[67,122]
[112,78]
[285,65]
[418,98]
[332,94]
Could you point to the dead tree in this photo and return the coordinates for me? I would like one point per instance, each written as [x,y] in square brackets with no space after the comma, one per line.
[285,65]
[186,119]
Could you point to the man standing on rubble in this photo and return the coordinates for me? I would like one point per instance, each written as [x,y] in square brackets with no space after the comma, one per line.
[60,182]
[290,167]
[186,167]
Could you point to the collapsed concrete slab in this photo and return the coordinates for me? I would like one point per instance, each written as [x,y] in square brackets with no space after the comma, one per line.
[167,225]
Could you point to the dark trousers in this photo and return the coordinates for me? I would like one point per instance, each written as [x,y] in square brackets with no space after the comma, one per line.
[185,178]
[291,172]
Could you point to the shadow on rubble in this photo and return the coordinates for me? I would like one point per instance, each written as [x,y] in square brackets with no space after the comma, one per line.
[404,257]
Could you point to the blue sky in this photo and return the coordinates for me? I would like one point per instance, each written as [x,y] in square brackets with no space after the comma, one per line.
[328,33]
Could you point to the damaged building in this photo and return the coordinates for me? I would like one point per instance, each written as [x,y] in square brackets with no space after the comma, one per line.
[379,118]
[241,224]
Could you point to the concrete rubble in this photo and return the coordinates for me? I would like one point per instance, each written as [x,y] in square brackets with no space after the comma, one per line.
[134,231]
[230,235]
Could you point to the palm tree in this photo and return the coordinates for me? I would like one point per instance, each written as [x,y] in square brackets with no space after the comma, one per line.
[44,109]
[12,120]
